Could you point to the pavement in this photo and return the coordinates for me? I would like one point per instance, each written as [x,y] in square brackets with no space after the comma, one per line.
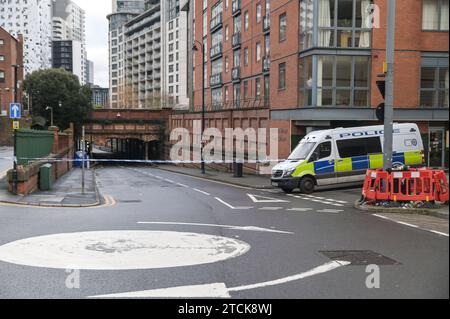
[166,234]
[65,192]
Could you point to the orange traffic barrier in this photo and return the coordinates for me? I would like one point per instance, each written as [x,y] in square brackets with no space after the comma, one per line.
[417,185]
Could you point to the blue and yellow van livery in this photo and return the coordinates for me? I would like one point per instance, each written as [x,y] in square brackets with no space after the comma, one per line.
[344,155]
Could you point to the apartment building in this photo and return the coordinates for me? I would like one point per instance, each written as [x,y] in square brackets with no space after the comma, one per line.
[306,65]
[149,58]
[67,55]
[123,11]
[11,53]
[69,24]
[100,96]
[32,19]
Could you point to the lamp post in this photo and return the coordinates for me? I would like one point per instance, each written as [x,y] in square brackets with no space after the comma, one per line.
[14,174]
[49,108]
[203,100]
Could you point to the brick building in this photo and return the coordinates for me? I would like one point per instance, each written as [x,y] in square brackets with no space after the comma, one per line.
[11,53]
[304,65]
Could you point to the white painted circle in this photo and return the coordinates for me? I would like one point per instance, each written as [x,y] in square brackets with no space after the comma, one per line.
[121,250]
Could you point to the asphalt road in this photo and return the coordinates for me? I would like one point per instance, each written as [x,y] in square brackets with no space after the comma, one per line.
[5,162]
[183,236]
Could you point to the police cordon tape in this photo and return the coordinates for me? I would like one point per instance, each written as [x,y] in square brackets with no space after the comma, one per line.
[91,160]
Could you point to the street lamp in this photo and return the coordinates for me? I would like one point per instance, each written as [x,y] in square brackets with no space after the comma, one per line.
[195,48]
[49,108]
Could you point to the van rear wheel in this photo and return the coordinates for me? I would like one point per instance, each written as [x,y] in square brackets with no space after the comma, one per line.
[307,185]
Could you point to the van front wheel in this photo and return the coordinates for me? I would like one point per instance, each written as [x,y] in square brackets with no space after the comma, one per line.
[307,185]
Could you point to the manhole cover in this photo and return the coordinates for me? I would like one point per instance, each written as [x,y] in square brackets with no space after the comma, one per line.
[360,257]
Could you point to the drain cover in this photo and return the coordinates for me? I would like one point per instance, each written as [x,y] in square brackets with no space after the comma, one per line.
[360,257]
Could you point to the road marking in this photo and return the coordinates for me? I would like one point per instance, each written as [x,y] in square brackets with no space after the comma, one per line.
[169,180]
[182,185]
[249,228]
[334,211]
[264,199]
[299,209]
[202,192]
[219,290]
[316,200]
[230,206]
[411,225]
[271,208]
[122,250]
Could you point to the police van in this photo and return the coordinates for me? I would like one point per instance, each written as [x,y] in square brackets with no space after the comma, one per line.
[343,155]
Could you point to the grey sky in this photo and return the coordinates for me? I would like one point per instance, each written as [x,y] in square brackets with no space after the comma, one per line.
[97,36]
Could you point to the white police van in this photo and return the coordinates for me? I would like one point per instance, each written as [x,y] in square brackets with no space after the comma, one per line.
[343,155]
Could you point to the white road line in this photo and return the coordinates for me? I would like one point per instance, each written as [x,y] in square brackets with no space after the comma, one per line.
[334,211]
[299,209]
[264,199]
[230,206]
[271,208]
[219,290]
[169,180]
[411,225]
[182,185]
[249,228]
[202,192]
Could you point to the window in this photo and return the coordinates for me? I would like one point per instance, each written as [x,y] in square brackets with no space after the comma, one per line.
[237,24]
[216,97]
[246,20]
[2,58]
[435,15]
[282,27]
[2,76]
[237,58]
[227,66]
[359,147]
[246,89]
[246,56]
[322,151]
[258,13]
[282,76]
[237,94]
[340,23]
[342,80]
[258,51]
[227,33]
[434,85]
[258,87]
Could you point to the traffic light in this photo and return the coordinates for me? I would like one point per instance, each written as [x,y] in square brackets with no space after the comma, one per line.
[380,108]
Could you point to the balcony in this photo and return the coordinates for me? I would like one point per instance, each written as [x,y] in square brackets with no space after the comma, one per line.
[236,74]
[236,40]
[266,23]
[236,7]
[216,51]
[216,22]
[215,80]
[266,64]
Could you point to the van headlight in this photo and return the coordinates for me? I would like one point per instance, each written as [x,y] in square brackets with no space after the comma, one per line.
[289,172]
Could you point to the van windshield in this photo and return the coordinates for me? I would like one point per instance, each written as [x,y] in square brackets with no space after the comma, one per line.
[302,151]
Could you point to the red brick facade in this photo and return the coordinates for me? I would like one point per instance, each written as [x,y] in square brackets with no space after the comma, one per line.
[412,45]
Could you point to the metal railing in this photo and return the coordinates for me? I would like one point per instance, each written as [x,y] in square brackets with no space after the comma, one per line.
[216,22]
[215,79]
[216,50]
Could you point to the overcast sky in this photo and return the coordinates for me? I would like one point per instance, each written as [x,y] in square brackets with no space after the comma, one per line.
[97,36]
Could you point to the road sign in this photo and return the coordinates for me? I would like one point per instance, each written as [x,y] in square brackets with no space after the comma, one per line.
[15,110]
[16,125]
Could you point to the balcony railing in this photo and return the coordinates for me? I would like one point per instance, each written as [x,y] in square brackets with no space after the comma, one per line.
[236,7]
[216,51]
[266,64]
[236,40]
[216,22]
[266,23]
[236,74]
[215,80]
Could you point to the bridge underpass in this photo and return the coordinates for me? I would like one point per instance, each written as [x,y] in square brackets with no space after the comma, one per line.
[127,134]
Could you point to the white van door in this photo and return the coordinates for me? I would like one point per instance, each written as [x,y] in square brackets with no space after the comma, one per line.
[323,159]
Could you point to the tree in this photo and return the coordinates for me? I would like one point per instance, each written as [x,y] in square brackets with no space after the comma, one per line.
[62,91]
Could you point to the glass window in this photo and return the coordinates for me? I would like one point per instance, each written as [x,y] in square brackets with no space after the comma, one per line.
[306,24]
[246,56]
[258,13]
[322,151]
[302,151]
[434,87]
[359,147]
[282,76]
[258,51]
[246,93]
[435,15]
[282,27]
[258,87]
[246,20]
